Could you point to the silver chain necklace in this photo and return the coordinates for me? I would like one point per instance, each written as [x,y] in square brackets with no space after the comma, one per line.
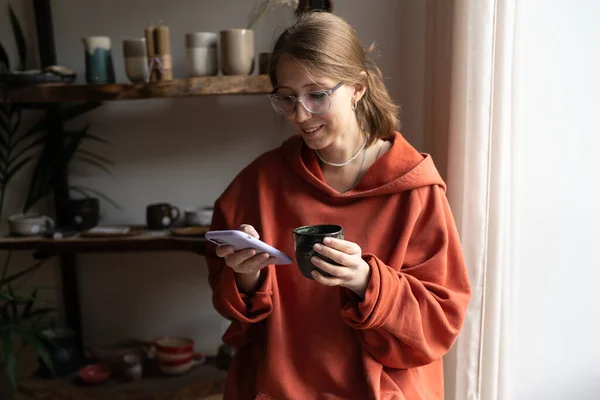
[344,163]
[362,164]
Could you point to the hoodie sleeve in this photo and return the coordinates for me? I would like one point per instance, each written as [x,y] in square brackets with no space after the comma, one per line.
[413,310]
[242,310]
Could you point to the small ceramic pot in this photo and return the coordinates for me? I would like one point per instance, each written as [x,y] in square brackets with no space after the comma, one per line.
[132,367]
[198,216]
[30,224]
[237,51]
[136,59]
[305,237]
[201,54]
[98,60]
[175,355]
[63,350]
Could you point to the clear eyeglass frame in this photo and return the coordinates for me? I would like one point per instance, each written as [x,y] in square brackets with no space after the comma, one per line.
[314,98]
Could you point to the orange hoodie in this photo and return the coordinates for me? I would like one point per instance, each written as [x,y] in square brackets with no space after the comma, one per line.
[297,339]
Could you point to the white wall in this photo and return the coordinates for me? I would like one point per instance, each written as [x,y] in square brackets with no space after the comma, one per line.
[185,151]
[558,319]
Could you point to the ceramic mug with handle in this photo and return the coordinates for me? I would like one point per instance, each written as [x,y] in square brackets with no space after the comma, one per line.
[30,224]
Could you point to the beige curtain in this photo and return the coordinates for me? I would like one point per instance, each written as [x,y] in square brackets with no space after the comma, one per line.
[472,132]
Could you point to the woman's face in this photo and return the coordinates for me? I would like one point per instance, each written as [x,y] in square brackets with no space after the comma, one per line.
[338,124]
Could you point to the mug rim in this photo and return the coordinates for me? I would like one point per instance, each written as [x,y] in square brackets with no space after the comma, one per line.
[339,229]
[159,204]
[235,30]
[27,215]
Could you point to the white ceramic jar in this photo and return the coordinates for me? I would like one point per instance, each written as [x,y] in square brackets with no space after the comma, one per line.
[136,59]
[201,54]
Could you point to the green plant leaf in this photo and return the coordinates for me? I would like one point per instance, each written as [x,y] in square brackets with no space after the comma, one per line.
[41,311]
[40,183]
[94,163]
[95,156]
[14,120]
[31,146]
[5,118]
[19,38]
[32,339]
[14,169]
[21,299]
[29,305]
[8,352]
[69,112]
[12,304]
[3,139]
[8,280]
[89,136]
[72,145]
[5,267]
[4,60]
[84,191]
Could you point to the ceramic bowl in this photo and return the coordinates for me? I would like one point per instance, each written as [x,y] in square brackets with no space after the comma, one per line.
[201,216]
[29,224]
[94,374]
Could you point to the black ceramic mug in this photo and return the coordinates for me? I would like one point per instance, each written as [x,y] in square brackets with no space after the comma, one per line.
[85,213]
[161,215]
[305,237]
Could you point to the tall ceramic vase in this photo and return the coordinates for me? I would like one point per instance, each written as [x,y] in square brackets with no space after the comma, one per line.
[237,51]
[98,59]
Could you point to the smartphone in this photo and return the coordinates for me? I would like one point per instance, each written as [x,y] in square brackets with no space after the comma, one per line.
[240,240]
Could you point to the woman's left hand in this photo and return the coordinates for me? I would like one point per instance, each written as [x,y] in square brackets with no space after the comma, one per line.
[353,272]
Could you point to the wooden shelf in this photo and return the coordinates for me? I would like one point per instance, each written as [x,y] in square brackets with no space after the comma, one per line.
[199,383]
[65,92]
[146,241]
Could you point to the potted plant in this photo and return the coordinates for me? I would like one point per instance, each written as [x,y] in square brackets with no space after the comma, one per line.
[22,323]
[24,318]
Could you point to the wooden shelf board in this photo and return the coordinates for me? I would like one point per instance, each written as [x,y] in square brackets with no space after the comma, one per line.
[199,383]
[190,87]
[146,241]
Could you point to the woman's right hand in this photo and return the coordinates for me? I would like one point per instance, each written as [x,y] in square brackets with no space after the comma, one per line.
[246,263]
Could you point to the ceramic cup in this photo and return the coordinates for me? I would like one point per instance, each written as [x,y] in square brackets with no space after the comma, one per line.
[30,224]
[198,216]
[85,213]
[305,237]
[161,215]
[98,59]
[237,51]
[175,355]
[132,367]
[136,59]
[201,54]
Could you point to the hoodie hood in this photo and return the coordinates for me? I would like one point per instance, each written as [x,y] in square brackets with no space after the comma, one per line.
[400,169]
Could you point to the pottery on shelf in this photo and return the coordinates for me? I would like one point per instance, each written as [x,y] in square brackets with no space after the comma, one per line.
[237,51]
[30,224]
[98,59]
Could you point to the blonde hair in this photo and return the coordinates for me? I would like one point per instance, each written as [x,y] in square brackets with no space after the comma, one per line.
[325,44]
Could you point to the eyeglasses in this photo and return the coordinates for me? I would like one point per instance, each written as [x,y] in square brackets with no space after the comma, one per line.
[314,102]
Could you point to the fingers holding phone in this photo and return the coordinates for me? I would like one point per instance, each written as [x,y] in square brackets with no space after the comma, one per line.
[249,229]
[248,260]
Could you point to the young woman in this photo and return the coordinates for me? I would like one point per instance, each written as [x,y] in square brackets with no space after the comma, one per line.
[378,326]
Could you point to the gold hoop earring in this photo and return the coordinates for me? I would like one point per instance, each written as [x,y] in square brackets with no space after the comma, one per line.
[354,106]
